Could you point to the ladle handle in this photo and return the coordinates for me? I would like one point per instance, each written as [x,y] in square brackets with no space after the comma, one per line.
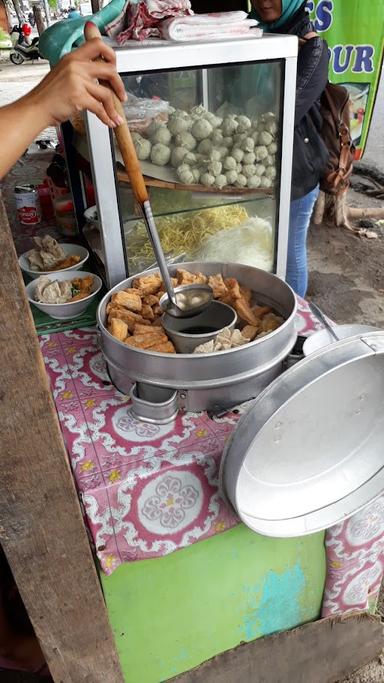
[123,135]
[318,313]
[158,251]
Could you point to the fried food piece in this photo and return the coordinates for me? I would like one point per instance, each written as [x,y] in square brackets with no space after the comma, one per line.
[129,298]
[250,332]
[146,341]
[84,285]
[151,300]
[163,348]
[218,286]
[146,329]
[67,262]
[157,323]
[184,277]
[149,284]
[259,311]
[246,293]
[157,311]
[118,328]
[271,322]
[147,312]
[233,287]
[245,312]
[128,317]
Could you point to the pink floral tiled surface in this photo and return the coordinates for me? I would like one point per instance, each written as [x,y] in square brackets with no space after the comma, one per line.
[149,490]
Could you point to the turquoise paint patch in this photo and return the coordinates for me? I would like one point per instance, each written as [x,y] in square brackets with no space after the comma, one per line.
[275,605]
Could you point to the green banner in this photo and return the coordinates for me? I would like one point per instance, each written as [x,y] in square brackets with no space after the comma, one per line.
[354,31]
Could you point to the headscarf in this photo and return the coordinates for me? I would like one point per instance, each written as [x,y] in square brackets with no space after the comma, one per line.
[289,8]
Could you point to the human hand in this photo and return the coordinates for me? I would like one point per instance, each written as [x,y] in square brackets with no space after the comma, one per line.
[72,86]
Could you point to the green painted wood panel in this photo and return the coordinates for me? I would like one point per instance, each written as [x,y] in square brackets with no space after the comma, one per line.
[172,613]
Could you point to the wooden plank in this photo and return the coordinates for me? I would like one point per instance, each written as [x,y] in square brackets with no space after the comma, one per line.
[323,651]
[41,526]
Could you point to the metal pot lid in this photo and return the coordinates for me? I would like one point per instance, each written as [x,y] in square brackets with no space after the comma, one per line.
[310,451]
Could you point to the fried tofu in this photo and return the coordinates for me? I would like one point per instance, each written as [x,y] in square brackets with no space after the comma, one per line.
[128,317]
[271,322]
[151,300]
[246,294]
[128,298]
[147,329]
[118,328]
[249,332]
[163,348]
[218,286]
[149,284]
[184,277]
[157,311]
[147,312]
[245,312]
[233,287]
[259,311]
[146,341]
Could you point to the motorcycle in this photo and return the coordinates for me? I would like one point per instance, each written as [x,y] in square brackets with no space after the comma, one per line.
[22,51]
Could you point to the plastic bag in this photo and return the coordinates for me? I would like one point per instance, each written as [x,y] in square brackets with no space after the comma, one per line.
[141,112]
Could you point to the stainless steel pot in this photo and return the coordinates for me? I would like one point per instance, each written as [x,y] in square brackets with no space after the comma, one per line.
[211,381]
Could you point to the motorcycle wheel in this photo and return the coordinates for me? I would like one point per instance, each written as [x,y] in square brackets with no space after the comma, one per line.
[16,58]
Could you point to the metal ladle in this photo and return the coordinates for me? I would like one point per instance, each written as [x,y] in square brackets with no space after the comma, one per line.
[186,300]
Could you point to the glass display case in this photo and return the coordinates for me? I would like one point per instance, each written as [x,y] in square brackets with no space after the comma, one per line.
[213,127]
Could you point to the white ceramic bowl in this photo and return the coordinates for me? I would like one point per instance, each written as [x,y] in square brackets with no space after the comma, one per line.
[69,249]
[322,338]
[72,309]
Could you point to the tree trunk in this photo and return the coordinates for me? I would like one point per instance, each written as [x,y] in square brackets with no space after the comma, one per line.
[95,6]
[332,209]
[18,9]
[38,14]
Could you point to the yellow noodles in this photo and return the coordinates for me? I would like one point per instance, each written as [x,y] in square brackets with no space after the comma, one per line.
[182,233]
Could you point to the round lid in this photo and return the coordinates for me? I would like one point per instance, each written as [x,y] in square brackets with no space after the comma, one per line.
[309,452]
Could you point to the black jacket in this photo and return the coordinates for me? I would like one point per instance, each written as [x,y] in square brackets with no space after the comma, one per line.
[309,152]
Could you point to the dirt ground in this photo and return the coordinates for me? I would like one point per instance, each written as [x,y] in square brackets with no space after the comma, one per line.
[347,271]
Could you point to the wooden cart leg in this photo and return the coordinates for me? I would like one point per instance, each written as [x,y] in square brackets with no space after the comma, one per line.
[41,526]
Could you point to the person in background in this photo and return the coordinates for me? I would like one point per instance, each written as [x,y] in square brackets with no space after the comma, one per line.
[69,88]
[309,151]
[73,13]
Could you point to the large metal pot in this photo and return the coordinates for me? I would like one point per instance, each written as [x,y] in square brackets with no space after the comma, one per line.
[211,381]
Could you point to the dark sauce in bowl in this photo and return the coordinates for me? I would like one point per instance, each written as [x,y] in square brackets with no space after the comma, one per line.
[199,330]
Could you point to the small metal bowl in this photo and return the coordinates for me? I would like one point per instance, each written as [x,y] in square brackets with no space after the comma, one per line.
[191,300]
[188,333]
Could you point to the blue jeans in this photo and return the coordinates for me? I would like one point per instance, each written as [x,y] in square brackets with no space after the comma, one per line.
[299,217]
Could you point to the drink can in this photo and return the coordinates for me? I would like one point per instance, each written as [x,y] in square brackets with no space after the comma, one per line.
[27,204]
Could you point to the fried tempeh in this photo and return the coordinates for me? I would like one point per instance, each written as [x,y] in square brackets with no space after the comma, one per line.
[118,328]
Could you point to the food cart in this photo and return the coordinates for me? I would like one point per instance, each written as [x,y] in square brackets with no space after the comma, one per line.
[184,581]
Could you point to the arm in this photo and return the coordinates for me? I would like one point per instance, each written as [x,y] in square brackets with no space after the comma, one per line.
[312,74]
[70,87]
